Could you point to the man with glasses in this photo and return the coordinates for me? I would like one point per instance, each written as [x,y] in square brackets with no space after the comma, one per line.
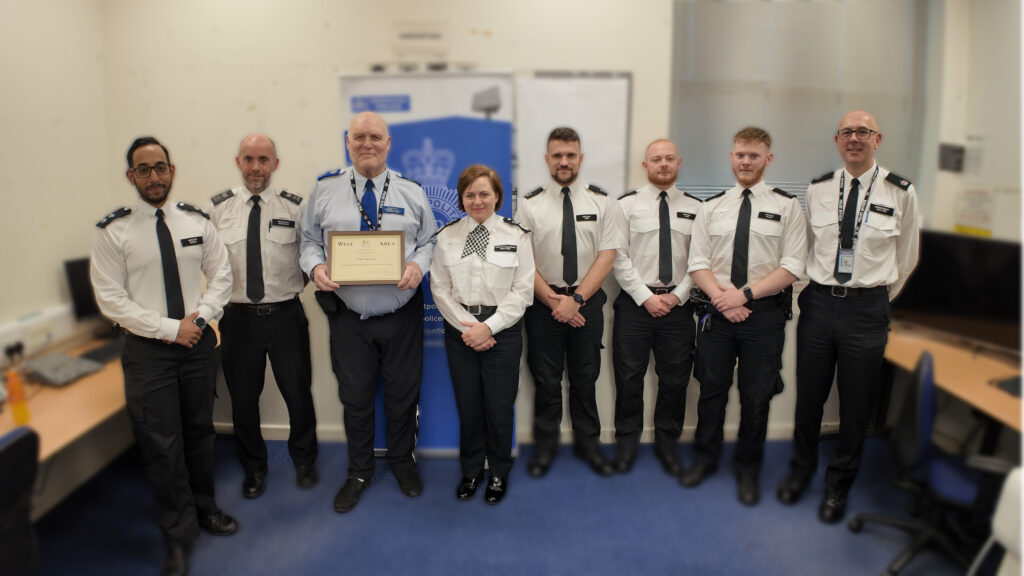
[863,245]
[258,224]
[146,267]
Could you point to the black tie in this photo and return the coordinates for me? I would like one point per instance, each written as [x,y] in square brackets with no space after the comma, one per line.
[846,228]
[569,266]
[172,282]
[253,256]
[741,243]
[664,241]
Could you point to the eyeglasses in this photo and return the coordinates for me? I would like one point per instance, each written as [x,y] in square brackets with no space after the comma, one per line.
[143,171]
[861,133]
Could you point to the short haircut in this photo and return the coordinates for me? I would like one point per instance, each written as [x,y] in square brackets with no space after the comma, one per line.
[565,134]
[753,134]
[146,141]
[471,174]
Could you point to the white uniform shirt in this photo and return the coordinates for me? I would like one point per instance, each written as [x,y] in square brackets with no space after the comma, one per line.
[778,234]
[636,216]
[504,280]
[280,213]
[128,274]
[540,212]
[886,248]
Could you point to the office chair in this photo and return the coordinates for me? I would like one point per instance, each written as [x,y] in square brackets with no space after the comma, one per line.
[19,459]
[1005,529]
[944,485]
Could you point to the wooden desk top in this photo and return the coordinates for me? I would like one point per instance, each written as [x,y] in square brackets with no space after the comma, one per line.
[61,415]
[963,372]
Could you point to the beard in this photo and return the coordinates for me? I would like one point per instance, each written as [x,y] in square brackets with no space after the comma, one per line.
[154,193]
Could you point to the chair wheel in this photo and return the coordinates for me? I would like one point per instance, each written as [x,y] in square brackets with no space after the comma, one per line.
[855,525]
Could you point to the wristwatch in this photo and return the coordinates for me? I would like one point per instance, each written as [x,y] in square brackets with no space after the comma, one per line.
[200,322]
[578,299]
[749,294]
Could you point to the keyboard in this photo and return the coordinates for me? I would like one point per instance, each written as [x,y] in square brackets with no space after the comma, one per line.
[110,350]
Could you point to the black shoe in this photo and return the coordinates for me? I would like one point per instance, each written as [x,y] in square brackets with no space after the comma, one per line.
[176,560]
[625,456]
[791,488]
[306,476]
[833,507]
[696,474]
[747,489]
[496,489]
[348,496]
[410,482]
[467,486]
[670,461]
[218,523]
[540,462]
[596,460]
[254,485]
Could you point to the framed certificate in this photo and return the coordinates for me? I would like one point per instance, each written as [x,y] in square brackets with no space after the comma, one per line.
[366,257]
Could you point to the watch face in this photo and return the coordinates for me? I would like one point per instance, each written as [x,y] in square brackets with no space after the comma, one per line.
[201,323]
[578,298]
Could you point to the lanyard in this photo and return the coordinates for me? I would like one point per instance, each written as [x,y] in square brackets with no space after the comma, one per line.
[380,205]
[860,213]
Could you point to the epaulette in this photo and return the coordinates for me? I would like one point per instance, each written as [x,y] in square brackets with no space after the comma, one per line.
[783,192]
[824,177]
[512,222]
[294,198]
[408,179]
[190,208]
[222,197]
[596,189]
[450,222]
[898,180]
[716,196]
[627,194]
[120,212]
[692,196]
[329,174]
[534,193]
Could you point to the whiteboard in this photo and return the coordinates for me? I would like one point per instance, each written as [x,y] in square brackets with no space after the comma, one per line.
[597,106]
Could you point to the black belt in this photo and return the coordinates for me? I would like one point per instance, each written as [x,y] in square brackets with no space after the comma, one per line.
[661,289]
[262,309]
[480,310]
[564,290]
[843,291]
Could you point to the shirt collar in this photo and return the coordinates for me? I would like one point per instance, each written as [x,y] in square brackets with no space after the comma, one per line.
[143,207]
[574,188]
[865,178]
[378,181]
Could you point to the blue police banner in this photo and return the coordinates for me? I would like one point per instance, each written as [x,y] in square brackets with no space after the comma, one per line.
[439,124]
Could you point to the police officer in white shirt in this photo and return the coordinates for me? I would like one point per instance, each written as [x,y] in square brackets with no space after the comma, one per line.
[258,224]
[749,245]
[482,281]
[653,310]
[864,232]
[146,266]
[574,247]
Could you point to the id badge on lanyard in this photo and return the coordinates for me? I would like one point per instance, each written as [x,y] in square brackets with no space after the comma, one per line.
[845,263]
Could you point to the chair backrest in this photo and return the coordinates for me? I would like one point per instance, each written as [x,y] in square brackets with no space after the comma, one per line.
[912,436]
[19,460]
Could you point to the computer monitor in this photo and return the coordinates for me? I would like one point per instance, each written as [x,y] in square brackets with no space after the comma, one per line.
[83,300]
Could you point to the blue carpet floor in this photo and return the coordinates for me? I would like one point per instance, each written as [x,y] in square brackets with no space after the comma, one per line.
[570,522]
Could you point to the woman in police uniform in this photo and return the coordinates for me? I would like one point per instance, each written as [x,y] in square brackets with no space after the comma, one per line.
[482,281]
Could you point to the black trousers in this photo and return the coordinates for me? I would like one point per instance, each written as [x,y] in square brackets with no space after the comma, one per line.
[169,392]
[388,348]
[486,384]
[635,334]
[247,338]
[551,346]
[843,338]
[757,343]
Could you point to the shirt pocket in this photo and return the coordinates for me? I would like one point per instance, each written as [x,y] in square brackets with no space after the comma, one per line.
[720,224]
[282,235]
[501,270]
[232,236]
[639,227]
[878,235]
[765,227]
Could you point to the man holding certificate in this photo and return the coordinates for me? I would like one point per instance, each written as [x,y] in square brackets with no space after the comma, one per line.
[376,320]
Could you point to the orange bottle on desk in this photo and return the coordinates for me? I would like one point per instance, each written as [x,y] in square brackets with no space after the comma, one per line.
[16,397]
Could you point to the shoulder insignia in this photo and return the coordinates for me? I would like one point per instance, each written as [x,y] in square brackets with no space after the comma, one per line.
[120,212]
[222,197]
[407,179]
[627,194]
[329,174]
[783,192]
[190,208]
[824,177]
[533,193]
[512,222]
[898,180]
[449,223]
[692,196]
[709,199]
[596,189]
[294,198]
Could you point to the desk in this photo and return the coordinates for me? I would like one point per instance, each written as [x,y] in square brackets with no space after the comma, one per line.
[960,371]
